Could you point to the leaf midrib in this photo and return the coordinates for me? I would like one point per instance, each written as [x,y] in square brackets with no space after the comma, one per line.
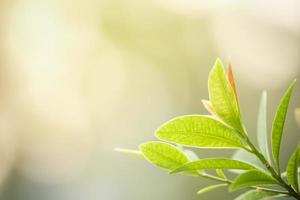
[235,164]
[200,134]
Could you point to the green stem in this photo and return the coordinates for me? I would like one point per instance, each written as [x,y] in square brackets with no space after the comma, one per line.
[274,174]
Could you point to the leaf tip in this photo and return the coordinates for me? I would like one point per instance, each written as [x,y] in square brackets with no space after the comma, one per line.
[218,64]
[294,82]
[218,60]
[129,152]
[117,149]
[292,85]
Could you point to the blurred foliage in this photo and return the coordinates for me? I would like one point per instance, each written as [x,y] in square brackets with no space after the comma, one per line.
[71,69]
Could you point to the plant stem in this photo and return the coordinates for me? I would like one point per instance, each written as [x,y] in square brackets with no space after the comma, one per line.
[274,174]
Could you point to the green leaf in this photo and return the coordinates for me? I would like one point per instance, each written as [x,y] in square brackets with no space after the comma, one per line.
[199,131]
[255,195]
[130,152]
[262,126]
[279,122]
[292,169]
[212,163]
[246,157]
[163,155]
[210,188]
[222,97]
[252,178]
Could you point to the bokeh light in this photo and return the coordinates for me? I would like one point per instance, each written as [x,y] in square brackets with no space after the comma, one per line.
[79,78]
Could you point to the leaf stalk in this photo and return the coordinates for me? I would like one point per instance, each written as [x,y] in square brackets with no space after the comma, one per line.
[268,166]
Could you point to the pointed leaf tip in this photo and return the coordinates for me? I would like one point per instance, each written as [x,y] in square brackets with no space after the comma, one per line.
[130,152]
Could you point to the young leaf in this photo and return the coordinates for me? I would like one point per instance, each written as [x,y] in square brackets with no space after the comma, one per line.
[279,122]
[223,98]
[199,131]
[262,126]
[163,155]
[130,152]
[255,195]
[212,163]
[252,178]
[210,188]
[292,169]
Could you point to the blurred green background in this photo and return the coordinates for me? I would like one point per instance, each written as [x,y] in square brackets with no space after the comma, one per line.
[79,78]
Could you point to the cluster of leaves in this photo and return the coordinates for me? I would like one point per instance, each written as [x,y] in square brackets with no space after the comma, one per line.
[255,168]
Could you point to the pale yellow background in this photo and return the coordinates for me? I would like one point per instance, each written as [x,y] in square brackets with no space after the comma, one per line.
[79,78]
